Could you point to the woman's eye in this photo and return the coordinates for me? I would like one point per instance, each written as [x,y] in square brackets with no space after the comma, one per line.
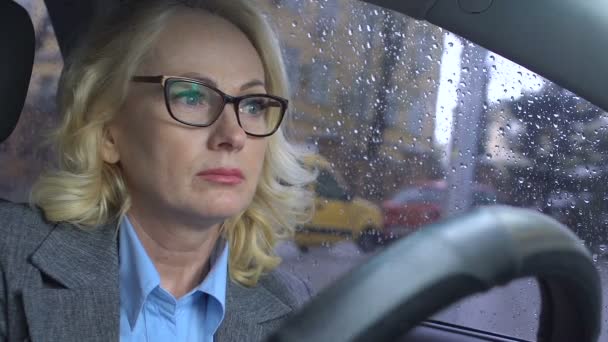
[190,98]
[255,107]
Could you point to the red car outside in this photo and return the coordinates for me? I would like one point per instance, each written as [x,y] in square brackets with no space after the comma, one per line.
[422,204]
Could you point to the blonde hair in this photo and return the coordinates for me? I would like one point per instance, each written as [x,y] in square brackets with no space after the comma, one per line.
[88,192]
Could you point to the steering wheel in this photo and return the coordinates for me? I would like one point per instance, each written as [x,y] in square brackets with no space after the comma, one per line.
[418,276]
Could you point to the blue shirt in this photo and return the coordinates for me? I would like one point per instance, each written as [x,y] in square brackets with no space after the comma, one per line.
[148,313]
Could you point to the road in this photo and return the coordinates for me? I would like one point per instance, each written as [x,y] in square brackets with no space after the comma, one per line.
[511,310]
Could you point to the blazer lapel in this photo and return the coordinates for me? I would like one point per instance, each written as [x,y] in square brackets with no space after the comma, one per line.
[247,309]
[85,263]
[87,308]
[71,315]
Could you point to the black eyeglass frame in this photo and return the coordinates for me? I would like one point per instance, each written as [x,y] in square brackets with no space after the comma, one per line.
[165,80]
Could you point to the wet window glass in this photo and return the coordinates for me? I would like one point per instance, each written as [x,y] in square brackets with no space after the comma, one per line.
[23,155]
[327,187]
[424,125]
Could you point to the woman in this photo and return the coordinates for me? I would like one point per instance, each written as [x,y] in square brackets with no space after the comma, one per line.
[175,183]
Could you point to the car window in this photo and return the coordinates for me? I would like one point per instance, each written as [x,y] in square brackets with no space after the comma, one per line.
[397,104]
[484,198]
[328,187]
[418,194]
[23,155]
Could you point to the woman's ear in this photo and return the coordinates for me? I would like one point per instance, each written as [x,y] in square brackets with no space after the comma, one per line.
[109,149]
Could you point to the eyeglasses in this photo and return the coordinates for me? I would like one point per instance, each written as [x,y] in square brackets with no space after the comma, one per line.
[195,103]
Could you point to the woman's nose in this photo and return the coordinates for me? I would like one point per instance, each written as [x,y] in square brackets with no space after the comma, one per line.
[226,132]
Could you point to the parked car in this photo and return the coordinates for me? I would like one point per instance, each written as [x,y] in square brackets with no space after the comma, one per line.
[338,214]
[422,204]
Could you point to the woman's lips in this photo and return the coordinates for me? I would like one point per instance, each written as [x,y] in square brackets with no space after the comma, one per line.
[222,176]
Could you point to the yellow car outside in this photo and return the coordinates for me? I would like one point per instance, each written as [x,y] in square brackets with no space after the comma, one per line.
[339,215]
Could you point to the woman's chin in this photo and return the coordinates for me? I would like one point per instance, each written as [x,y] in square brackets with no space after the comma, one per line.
[222,211]
[219,205]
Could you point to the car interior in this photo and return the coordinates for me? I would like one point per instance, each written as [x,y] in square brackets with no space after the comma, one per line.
[393,295]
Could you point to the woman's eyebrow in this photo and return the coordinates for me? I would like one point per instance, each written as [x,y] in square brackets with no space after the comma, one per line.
[201,78]
[209,81]
[252,83]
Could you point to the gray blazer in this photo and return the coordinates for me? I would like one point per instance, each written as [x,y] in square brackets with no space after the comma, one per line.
[59,283]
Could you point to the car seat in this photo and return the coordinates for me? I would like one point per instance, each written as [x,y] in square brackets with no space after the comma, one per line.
[16,61]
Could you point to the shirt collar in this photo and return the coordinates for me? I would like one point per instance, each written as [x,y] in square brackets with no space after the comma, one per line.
[215,284]
[138,276]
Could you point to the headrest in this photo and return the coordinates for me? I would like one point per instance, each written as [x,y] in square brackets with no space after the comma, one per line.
[16,62]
